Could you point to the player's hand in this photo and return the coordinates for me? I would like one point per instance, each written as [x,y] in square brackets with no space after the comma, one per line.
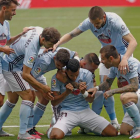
[55,46]
[7,50]
[123,66]
[108,94]
[93,91]
[48,93]
[25,30]
[47,50]
[69,88]
[82,87]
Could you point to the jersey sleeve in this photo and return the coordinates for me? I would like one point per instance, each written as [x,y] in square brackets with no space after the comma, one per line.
[55,84]
[112,73]
[121,27]
[41,65]
[133,70]
[89,80]
[85,25]
[30,55]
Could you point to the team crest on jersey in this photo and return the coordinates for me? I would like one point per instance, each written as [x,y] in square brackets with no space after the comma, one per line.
[30,60]
[3,39]
[37,70]
[81,23]
[53,83]
[104,38]
[131,67]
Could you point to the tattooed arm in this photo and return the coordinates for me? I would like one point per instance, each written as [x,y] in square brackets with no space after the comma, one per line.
[132,87]
[67,37]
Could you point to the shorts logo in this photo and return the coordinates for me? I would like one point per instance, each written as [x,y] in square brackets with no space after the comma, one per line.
[131,67]
[30,60]
[53,83]
[37,71]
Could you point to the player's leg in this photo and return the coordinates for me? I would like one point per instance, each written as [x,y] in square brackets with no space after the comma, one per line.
[97,124]
[109,103]
[131,103]
[66,122]
[21,87]
[1,99]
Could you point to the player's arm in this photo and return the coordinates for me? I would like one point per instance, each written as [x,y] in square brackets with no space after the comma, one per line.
[35,84]
[12,39]
[7,50]
[58,98]
[102,87]
[67,37]
[132,87]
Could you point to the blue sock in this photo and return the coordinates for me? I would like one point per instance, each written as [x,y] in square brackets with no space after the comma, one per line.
[98,102]
[110,109]
[133,112]
[38,112]
[31,118]
[5,111]
[25,111]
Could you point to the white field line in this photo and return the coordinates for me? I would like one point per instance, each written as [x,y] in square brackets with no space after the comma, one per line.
[18,126]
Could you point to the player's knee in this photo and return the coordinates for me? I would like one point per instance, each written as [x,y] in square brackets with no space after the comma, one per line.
[1,102]
[124,98]
[56,135]
[124,132]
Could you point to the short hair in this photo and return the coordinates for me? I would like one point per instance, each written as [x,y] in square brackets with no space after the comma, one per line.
[109,50]
[51,34]
[96,12]
[73,65]
[92,58]
[8,3]
[63,56]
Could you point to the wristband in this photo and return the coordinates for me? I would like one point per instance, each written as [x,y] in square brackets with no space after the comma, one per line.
[85,95]
[77,58]
[97,87]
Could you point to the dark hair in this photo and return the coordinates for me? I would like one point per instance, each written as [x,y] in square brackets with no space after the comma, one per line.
[96,12]
[73,65]
[8,2]
[63,56]
[92,58]
[51,34]
[109,50]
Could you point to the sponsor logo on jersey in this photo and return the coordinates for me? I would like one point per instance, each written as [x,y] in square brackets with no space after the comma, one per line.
[131,67]
[3,39]
[37,70]
[30,60]
[104,38]
[53,83]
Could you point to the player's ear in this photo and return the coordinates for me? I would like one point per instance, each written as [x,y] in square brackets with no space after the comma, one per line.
[3,8]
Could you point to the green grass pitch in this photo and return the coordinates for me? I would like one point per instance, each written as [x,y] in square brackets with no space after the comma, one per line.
[65,20]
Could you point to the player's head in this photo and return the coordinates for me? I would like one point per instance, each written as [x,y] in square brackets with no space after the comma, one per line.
[49,37]
[108,55]
[8,8]
[90,62]
[72,69]
[97,17]
[61,58]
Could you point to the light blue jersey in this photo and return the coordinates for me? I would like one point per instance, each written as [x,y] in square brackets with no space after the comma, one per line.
[73,102]
[134,71]
[26,50]
[4,37]
[111,33]
[45,62]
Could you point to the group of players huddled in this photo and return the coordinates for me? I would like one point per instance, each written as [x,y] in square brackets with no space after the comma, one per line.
[23,63]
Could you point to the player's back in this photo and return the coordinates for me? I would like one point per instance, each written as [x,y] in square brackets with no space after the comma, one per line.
[27,42]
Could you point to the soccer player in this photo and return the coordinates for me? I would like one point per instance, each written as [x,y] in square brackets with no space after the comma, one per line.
[44,63]
[16,70]
[130,93]
[7,11]
[75,107]
[109,28]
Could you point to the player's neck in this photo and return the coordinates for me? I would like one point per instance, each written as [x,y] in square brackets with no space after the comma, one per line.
[117,61]
[2,19]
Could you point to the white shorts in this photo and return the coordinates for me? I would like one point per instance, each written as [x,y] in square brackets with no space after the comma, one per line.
[4,87]
[85,119]
[15,81]
[41,79]
[127,119]
[56,111]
